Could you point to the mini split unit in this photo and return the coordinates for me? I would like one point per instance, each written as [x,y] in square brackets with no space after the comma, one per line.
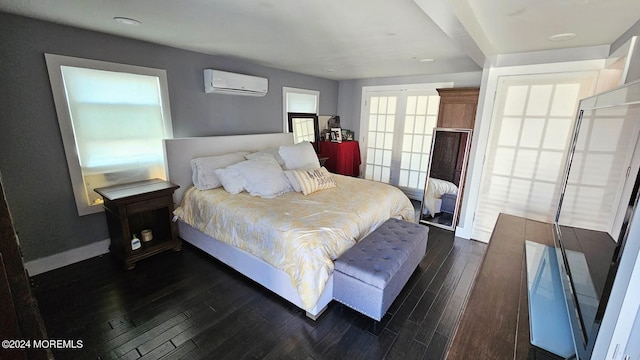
[222,82]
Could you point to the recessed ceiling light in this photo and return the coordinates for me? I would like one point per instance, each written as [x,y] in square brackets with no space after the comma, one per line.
[427,61]
[127,21]
[562,37]
[330,70]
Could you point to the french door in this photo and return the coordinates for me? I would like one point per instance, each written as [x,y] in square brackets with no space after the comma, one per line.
[397,128]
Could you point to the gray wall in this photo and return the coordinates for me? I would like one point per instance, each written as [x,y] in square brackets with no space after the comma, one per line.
[32,160]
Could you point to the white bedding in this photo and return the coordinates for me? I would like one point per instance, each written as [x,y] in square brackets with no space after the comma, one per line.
[298,234]
[433,195]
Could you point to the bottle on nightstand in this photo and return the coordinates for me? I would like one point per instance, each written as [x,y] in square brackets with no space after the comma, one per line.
[135,242]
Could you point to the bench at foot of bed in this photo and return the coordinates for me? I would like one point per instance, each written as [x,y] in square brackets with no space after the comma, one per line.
[369,276]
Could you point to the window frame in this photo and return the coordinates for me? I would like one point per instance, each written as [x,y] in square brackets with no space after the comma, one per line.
[54,63]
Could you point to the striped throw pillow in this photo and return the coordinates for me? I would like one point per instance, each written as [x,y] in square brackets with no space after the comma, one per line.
[312,180]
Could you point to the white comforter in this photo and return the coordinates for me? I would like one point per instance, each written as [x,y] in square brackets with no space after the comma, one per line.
[298,234]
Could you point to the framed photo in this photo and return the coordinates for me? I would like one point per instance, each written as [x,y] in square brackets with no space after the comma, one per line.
[347,135]
[350,135]
[336,135]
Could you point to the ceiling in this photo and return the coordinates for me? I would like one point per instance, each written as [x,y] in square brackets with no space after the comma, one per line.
[350,39]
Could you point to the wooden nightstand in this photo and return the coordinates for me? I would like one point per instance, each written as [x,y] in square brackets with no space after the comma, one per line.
[133,207]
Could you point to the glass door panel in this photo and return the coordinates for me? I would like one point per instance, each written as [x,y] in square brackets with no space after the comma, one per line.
[382,118]
[398,141]
[421,115]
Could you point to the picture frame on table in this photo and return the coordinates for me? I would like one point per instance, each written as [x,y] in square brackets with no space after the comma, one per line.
[347,135]
[336,135]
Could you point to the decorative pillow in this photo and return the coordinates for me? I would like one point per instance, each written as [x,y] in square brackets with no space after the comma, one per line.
[313,180]
[262,176]
[269,152]
[231,180]
[299,156]
[203,169]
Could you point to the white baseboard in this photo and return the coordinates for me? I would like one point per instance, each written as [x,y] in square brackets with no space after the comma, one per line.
[465,233]
[52,262]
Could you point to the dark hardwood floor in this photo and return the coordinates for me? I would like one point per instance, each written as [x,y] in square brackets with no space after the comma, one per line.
[188,305]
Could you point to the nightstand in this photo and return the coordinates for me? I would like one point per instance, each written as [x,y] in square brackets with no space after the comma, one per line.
[133,207]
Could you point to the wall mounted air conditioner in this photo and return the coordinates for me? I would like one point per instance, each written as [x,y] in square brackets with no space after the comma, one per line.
[223,82]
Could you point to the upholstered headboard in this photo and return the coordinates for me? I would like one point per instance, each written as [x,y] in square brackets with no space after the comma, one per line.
[180,152]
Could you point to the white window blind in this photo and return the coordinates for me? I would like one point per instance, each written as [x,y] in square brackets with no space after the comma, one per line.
[530,132]
[302,103]
[112,118]
[117,119]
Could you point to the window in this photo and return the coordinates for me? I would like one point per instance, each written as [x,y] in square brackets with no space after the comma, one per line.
[112,118]
[298,101]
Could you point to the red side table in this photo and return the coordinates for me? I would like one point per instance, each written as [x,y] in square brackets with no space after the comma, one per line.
[343,158]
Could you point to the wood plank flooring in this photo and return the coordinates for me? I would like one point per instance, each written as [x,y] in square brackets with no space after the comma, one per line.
[188,305]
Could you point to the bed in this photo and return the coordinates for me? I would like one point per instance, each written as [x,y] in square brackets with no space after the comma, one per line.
[287,243]
[437,189]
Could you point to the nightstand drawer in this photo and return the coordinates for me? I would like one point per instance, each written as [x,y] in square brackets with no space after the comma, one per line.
[150,204]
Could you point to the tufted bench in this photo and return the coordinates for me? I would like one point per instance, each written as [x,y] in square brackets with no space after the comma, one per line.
[370,275]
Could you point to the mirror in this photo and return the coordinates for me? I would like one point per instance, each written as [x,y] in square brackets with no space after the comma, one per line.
[445,175]
[599,197]
[304,127]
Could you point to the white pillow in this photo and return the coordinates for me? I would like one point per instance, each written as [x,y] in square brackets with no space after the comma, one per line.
[203,169]
[231,180]
[312,180]
[299,156]
[262,177]
[293,180]
[269,152]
